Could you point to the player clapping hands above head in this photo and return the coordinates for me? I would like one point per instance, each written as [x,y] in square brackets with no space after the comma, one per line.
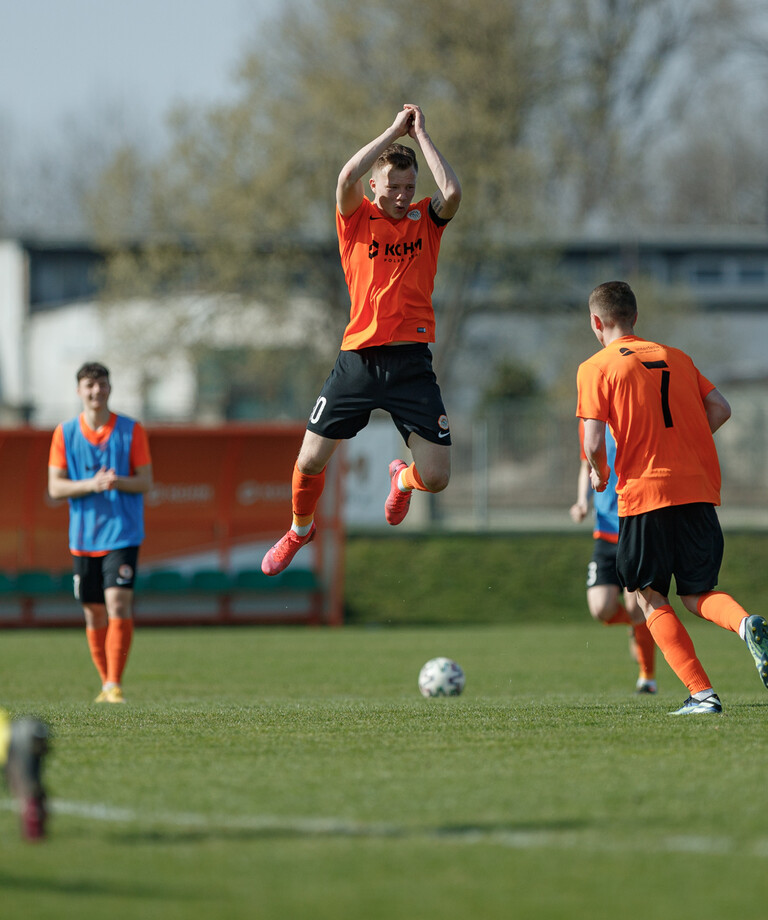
[389,247]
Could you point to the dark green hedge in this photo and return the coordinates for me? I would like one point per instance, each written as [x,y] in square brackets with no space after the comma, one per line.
[460,578]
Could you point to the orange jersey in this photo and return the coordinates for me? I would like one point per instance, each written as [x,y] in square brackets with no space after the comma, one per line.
[390,267]
[652,397]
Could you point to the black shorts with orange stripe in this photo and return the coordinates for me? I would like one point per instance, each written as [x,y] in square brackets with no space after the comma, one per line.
[396,378]
[684,541]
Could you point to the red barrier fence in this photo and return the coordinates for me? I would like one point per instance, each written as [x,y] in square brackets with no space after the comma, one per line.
[222,496]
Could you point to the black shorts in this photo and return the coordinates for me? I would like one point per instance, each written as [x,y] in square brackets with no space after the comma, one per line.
[92,574]
[683,540]
[396,378]
[602,567]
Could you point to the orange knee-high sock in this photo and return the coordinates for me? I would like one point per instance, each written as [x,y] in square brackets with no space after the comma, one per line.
[646,650]
[96,643]
[621,616]
[119,637]
[677,647]
[720,608]
[306,490]
[411,479]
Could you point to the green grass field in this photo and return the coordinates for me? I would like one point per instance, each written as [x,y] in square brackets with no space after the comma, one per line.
[292,773]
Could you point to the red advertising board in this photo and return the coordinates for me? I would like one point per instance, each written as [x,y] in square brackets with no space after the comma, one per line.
[221,497]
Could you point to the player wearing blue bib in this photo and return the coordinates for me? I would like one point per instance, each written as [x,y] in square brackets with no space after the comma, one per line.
[100,462]
[603,589]
[112,519]
[606,504]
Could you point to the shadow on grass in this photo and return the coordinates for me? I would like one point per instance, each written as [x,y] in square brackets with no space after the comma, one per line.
[307,829]
[40,885]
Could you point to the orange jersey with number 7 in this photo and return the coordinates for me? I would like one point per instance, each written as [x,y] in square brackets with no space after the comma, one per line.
[652,397]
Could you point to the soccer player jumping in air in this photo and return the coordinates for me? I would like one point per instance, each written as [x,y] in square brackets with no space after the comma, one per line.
[662,413]
[389,248]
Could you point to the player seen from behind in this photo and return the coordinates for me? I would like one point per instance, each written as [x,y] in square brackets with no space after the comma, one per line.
[604,598]
[662,412]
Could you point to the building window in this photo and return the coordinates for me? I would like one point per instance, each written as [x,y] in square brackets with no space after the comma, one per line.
[752,274]
[707,274]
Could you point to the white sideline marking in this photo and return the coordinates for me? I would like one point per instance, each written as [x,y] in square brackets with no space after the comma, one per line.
[340,827]
[319,826]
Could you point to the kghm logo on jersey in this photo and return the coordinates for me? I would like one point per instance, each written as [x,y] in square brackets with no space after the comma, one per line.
[396,251]
[401,250]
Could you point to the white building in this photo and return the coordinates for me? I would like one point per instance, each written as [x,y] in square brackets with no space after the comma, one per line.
[52,321]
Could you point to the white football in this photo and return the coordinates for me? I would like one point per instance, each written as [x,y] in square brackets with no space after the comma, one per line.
[441,677]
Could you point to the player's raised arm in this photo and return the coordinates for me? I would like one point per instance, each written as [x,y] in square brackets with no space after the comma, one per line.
[349,187]
[446,200]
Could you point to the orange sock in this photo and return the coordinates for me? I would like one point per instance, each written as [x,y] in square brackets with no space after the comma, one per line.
[646,650]
[672,638]
[305,494]
[96,643]
[621,616]
[118,644]
[412,480]
[720,608]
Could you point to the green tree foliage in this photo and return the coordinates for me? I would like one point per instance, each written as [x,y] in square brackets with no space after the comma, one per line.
[511,380]
[324,80]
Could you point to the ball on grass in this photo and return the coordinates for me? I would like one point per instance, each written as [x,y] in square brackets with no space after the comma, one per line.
[441,677]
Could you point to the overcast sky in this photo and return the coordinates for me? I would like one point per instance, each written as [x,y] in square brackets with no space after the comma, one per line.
[58,58]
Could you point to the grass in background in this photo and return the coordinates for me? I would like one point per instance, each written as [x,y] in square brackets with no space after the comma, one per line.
[502,578]
[291,773]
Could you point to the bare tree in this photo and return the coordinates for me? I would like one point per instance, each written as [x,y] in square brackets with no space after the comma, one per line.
[716,172]
[545,108]
[629,72]
[245,195]
[47,178]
